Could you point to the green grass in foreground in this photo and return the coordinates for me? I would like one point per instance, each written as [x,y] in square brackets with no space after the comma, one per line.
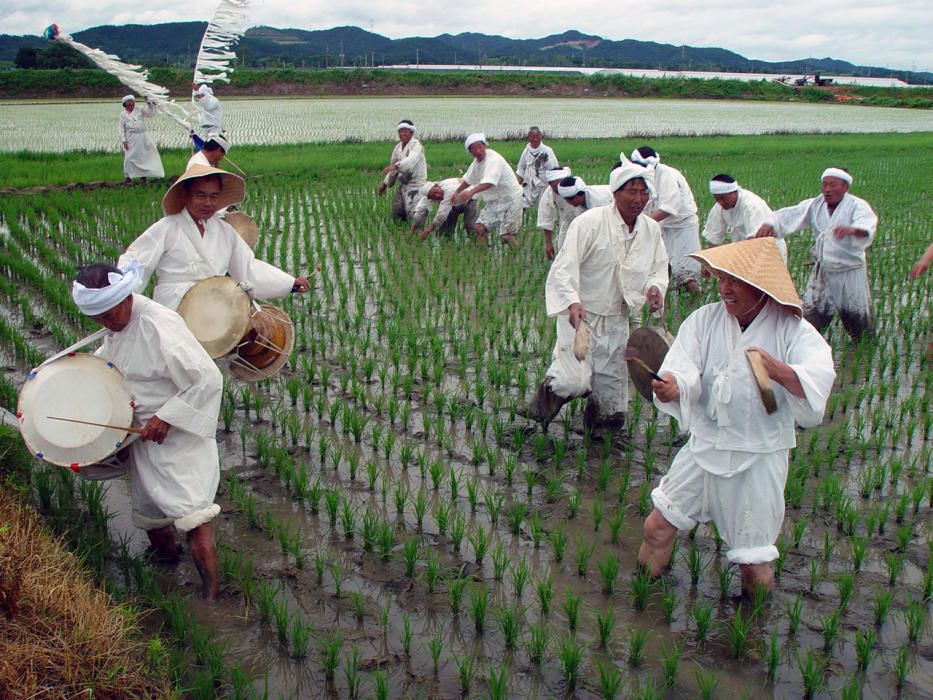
[323,163]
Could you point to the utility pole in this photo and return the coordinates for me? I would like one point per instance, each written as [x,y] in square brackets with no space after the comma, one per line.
[341,53]
[417,58]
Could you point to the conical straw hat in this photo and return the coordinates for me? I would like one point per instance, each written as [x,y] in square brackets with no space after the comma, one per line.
[232,188]
[758,262]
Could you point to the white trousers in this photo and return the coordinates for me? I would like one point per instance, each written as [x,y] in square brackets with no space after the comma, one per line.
[680,241]
[747,508]
[502,215]
[845,293]
[603,372]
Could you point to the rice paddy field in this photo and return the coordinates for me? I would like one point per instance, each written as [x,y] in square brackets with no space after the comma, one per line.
[393,527]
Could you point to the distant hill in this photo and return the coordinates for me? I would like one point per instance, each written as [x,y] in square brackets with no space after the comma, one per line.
[177,44]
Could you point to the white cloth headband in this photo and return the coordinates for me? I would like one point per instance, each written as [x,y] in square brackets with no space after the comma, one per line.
[474,138]
[557,174]
[720,187]
[204,90]
[405,125]
[127,99]
[630,171]
[426,188]
[571,191]
[836,172]
[642,160]
[94,302]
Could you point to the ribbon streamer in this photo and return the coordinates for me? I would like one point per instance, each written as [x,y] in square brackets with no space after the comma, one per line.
[224,30]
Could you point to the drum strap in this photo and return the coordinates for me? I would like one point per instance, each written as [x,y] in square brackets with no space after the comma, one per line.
[97,335]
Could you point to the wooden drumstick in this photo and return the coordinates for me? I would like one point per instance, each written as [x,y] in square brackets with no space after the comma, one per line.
[631,355]
[138,431]
[310,274]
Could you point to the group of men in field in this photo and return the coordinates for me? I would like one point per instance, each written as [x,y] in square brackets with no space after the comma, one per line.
[617,248]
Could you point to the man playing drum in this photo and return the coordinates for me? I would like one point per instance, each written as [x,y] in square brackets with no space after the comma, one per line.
[190,243]
[177,391]
[611,264]
[733,468]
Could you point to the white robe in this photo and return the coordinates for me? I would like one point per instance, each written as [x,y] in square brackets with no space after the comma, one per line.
[169,375]
[839,280]
[140,159]
[608,269]
[555,214]
[411,173]
[198,159]
[733,441]
[681,229]
[210,115]
[533,165]
[502,203]
[444,207]
[174,250]
[740,222]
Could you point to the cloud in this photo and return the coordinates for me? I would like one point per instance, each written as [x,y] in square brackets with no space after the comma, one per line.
[865,32]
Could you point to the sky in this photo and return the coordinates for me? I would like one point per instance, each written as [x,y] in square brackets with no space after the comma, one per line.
[893,34]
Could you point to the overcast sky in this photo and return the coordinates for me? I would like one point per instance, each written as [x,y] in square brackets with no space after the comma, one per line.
[893,34]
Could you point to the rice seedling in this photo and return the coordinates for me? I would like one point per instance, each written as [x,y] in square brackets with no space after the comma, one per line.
[902,665]
[915,617]
[573,503]
[519,574]
[479,540]
[610,681]
[436,648]
[510,622]
[432,569]
[605,623]
[570,656]
[608,572]
[637,638]
[406,634]
[571,608]
[420,504]
[830,628]
[559,543]
[582,556]
[479,604]
[707,682]
[330,655]
[640,589]
[351,672]
[702,615]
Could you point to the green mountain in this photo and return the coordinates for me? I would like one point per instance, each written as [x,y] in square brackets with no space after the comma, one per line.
[177,44]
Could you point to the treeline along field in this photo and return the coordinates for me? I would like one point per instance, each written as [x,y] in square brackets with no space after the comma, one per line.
[392,523]
[292,81]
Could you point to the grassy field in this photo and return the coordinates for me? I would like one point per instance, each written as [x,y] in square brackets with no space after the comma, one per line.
[393,527]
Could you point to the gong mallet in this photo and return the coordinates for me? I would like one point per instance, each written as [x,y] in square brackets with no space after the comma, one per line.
[631,355]
[137,431]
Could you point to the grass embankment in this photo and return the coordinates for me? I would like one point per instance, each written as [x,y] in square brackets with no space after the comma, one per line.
[293,81]
[60,635]
[320,164]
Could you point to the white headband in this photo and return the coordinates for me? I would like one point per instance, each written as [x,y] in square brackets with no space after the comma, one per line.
[644,160]
[94,302]
[572,191]
[474,138]
[720,187]
[426,188]
[405,125]
[204,90]
[557,174]
[836,172]
[127,99]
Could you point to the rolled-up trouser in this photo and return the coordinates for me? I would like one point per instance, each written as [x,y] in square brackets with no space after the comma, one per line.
[604,372]
[747,508]
[175,482]
[504,216]
[404,200]
[844,292]
[531,193]
[680,241]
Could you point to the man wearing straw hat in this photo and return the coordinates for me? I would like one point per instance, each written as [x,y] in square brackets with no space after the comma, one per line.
[843,228]
[447,214]
[612,263]
[733,468]
[214,151]
[190,243]
[408,167]
[553,211]
[490,178]
[176,389]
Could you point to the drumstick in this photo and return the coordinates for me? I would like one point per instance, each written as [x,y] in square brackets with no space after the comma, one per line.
[313,272]
[631,355]
[138,431]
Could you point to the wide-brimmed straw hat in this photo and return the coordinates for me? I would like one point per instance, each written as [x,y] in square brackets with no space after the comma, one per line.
[758,262]
[232,188]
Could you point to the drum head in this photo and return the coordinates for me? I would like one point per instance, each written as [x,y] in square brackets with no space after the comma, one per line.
[652,344]
[244,226]
[216,312]
[78,386]
[267,346]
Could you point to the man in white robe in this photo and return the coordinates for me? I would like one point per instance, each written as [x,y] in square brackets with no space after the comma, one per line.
[447,214]
[214,151]
[191,243]
[176,390]
[536,159]
[843,228]
[733,468]
[209,110]
[490,179]
[675,209]
[140,157]
[407,167]
[580,197]
[553,211]
[737,214]
[611,264]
